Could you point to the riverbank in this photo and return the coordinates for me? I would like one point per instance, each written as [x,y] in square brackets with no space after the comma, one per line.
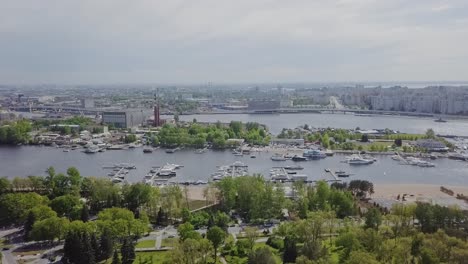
[387,194]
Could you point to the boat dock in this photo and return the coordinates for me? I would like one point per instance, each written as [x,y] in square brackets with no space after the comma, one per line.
[332,173]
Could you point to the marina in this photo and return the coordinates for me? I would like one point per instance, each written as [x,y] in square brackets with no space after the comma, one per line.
[200,167]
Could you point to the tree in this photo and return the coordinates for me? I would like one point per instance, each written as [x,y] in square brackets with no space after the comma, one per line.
[398,142]
[261,255]
[84,213]
[106,246]
[365,138]
[373,218]
[14,207]
[186,231]
[361,257]
[5,185]
[430,134]
[136,195]
[66,205]
[290,250]
[216,235]
[127,251]
[115,258]
[28,225]
[50,229]
[251,235]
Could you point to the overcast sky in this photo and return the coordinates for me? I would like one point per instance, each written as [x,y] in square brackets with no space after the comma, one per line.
[136,41]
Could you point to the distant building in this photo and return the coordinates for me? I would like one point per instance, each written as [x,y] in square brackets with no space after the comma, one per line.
[87,103]
[431,145]
[288,141]
[264,105]
[124,119]
[5,116]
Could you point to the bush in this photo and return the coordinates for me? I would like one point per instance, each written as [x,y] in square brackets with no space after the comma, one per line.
[275,242]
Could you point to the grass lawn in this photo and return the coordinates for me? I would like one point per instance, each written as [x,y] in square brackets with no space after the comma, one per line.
[146,244]
[168,242]
[195,204]
[155,257]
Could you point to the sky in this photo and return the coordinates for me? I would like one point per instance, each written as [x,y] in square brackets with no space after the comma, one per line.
[173,41]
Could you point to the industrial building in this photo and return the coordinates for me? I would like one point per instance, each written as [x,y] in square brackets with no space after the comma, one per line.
[124,119]
[264,105]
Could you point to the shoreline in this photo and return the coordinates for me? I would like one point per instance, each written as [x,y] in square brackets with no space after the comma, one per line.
[386,194]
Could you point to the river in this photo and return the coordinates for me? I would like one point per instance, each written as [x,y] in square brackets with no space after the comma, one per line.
[350,121]
[33,160]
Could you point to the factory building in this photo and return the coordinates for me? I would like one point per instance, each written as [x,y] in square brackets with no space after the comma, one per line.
[124,119]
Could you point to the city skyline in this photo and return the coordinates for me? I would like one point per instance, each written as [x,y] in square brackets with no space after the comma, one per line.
[263,41]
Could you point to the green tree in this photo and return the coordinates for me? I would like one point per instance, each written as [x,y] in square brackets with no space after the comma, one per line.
[216,236]
[28,225]
[361,257]
[115,258]
[261,255]
[50,229]
[128,251]
[186,231]
[290,250]
[106,246]
[430,133]
[5,185]
[66,205]
[373,218]
[14,207]
[84,213]
[136,195]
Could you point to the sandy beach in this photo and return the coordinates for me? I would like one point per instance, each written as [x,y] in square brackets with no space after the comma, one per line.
[388,193]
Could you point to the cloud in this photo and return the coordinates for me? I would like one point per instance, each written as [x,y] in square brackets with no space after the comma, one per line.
[115,41]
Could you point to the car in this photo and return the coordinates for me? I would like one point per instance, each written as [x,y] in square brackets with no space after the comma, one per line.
[5,248]
[171,236]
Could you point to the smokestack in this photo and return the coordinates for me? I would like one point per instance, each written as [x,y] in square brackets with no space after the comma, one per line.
[157,118]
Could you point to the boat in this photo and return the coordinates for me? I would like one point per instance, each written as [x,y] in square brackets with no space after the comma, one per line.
[358,160]
[329,153]
[147,150]
[200,151]
[297,167]
[278,158]
[279,174]
[235,169]
[298,158]
[314,154]
[299,177]
[170,151]
[419,162]
[117,180]
[66,150]
[92,150]
[342,174]
[253,156]
[440,120]
[116,147]
[127,166]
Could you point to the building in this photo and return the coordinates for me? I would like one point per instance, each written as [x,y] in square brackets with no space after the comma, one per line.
[288,141]
[124,119]
[264,105]
[431,145]
[5,116]
[87,103]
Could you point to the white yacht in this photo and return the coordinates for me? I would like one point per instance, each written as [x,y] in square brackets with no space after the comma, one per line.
[278,157]
[358,160]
